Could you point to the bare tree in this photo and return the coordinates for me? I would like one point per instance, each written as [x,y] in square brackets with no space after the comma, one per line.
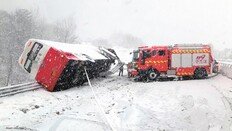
[65,30]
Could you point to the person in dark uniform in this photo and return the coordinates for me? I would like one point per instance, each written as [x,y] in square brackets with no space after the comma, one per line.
[121,71]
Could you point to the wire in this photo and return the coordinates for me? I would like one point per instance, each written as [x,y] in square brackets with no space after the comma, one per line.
[97,100]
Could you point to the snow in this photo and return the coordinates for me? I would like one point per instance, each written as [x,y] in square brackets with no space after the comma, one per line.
[226,68]
[77,49]
[169,105]
[226,62]
[123,53]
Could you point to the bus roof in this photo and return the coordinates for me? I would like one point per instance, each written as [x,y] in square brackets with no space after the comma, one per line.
[75,49]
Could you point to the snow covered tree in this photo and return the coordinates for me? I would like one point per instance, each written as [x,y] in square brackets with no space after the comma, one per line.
[15,29]
[21,22]
[5,40]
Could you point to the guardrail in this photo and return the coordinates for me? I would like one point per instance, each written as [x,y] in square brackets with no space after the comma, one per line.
[226,68]
[20,88]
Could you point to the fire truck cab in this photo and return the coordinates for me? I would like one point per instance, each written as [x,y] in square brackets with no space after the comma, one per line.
[180,60]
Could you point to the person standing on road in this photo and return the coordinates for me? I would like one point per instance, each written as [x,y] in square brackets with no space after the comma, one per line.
[121,71]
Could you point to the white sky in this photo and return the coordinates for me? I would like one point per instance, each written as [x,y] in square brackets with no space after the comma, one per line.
[154,21]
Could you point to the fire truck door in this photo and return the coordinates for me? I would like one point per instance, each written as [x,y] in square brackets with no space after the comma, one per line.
[162,60]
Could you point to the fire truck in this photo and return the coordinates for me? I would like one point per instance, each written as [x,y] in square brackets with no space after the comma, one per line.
[178,61]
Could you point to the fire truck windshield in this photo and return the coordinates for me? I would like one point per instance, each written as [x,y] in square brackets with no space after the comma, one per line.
[135,55]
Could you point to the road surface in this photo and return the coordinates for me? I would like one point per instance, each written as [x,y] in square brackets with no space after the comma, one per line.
[169,105]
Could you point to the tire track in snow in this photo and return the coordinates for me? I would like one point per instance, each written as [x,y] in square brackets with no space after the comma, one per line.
[227,102]
[112,86]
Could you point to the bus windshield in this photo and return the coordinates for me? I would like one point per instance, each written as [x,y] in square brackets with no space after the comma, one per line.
[32,55]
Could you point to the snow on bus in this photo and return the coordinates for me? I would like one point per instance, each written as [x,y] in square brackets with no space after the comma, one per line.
[58,66]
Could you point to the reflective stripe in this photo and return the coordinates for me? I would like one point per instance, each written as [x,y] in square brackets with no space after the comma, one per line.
[190,51]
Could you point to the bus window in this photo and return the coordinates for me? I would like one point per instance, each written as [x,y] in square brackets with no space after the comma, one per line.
[28,65]
[32,55]
[35,47]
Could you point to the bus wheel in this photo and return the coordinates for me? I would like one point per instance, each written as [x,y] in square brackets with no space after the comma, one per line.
[152,75]
[200,73]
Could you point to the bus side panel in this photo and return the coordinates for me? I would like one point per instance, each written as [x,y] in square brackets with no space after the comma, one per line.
[51,69]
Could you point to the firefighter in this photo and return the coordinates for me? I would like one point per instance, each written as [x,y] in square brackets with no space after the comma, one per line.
[121,71]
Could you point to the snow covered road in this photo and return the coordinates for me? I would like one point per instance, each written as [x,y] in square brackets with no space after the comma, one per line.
[169,105]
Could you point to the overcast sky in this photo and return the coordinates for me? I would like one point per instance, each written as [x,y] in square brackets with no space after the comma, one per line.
[154,21]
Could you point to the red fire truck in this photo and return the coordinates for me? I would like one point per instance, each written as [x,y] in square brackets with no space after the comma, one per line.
[180,60]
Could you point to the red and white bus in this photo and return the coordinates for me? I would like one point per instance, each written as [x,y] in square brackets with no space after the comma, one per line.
[59,66]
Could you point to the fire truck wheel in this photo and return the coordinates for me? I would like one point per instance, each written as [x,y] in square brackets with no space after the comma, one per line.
[152,75]
[200,73]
